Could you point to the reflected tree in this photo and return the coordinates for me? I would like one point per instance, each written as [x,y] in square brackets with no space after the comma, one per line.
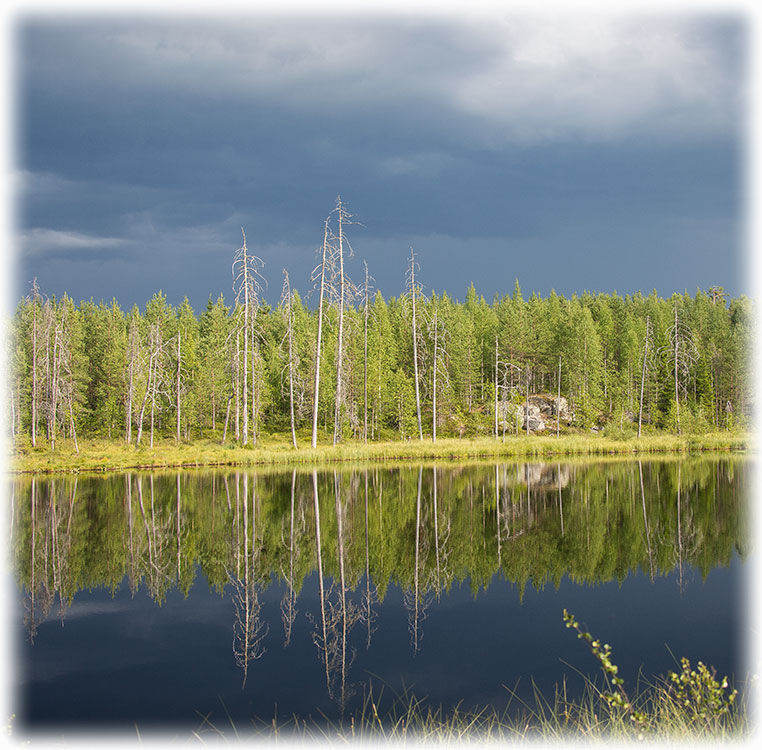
[249,629]
[296,528]
[417,598]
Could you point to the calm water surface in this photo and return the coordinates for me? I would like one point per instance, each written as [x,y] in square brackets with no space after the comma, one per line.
[159,599]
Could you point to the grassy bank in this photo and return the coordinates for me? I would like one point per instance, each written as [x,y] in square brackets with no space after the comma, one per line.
[276,450]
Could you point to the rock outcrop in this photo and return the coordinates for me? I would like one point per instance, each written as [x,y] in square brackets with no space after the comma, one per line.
[543,412]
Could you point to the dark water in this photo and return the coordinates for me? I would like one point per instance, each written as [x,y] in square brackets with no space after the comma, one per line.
[161,599]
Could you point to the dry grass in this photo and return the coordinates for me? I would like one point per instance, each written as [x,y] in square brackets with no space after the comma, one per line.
[276,450]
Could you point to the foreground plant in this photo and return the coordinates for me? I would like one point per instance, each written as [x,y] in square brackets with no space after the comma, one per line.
[693,700]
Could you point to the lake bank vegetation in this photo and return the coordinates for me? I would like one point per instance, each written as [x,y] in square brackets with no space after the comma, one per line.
[360,368]
[276,450]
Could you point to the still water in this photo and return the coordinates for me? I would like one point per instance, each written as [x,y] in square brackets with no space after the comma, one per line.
[159,599]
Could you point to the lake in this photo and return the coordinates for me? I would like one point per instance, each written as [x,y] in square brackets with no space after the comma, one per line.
[171,599]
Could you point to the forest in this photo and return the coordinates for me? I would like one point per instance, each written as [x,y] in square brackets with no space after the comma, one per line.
[356,365]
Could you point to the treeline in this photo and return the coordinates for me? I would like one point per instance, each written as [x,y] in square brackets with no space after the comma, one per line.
[362,366]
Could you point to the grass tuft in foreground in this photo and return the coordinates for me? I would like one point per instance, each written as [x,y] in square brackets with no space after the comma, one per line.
[691,706]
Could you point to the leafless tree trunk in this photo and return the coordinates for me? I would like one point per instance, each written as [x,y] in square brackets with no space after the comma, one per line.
[54,391]
[342,217]
[413,294]
[365,366]
[177,391]
[35,387]
[290,334]
[134,351]
[434,381]
[150,385]
[237,383]
[247,283]
[558,402]
[649,333]
[227,417]
[254,389]
[497,364]
[683,352]
[323,268]
[245,391]
[676,344]
[72,426]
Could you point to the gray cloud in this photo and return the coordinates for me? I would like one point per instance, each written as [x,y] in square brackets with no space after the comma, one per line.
[525,78]
[571,151]
[40,241]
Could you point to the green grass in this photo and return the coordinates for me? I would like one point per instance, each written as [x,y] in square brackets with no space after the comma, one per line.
[556,720]
[276,450]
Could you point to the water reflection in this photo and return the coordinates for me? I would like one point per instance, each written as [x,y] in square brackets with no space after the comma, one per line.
[419,528]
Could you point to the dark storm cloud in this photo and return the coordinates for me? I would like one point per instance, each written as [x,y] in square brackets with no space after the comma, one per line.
[586,141]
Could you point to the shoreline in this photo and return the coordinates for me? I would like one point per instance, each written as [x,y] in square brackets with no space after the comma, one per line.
[109,456]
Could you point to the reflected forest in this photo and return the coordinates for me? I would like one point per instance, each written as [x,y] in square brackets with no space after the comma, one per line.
[362,531]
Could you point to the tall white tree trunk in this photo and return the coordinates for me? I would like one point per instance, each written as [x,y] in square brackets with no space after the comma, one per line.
[434,385]
[319,337]
[643,375]
[290,330]
[340,342]
[677,389]
[414,294]
[365,363]
[177,391]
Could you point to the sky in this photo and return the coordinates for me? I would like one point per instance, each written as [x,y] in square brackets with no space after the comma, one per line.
[571,150]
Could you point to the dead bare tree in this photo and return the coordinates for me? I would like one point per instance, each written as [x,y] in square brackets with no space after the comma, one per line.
[648,364]
[286,305]
[36,303]
[133,357]
[439,373]
[178,388]
[346,291]
[366,313]
[682,353]
[322,271]
[248,283]
[501,367]
[414,290]
[233,351]
[153,384]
